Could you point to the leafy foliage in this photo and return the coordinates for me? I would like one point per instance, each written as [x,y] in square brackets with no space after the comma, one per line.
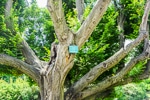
[133,91]
[133,10]
[17,90]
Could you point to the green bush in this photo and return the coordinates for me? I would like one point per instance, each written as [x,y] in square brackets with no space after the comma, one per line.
[18,90]
[132,91]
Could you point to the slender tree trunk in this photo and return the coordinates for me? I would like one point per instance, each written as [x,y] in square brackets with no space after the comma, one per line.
[80,9]
[8,19]
[121,19]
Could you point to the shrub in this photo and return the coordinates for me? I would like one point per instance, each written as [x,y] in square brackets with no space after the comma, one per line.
[18,90]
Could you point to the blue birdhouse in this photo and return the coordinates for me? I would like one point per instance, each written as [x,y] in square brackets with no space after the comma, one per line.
[73,49]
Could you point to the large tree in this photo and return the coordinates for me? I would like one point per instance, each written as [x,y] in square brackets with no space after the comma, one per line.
[50,76]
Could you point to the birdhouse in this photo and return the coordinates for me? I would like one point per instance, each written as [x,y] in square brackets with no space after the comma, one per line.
[73,49]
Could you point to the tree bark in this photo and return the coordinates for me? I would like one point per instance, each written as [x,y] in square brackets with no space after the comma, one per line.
[51,86]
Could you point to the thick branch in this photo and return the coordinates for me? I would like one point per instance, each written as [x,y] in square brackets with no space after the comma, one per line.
[91,21]
[144,75]
[20,65]
[57,15]
[28,53]
[80,9]
[131,79]
[112,80]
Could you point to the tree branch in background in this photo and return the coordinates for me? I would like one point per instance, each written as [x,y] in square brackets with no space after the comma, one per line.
[8,7]
[146,44]
[9,20]
[143,25]
[121,82]
[120,22]
[80,9]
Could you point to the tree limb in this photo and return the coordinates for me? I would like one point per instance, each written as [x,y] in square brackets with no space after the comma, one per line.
[57,15]
[91,21]
[28,53]
[123,81]
[20,65]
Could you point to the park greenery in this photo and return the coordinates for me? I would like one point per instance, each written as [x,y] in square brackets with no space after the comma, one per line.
[35,25]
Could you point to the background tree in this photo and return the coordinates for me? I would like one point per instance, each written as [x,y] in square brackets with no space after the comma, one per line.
[51,76]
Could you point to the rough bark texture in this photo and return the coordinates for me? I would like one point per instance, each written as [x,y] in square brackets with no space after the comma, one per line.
[51,75]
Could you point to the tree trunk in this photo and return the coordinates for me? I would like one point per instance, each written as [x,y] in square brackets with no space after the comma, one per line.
[52,77]
[51,86]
